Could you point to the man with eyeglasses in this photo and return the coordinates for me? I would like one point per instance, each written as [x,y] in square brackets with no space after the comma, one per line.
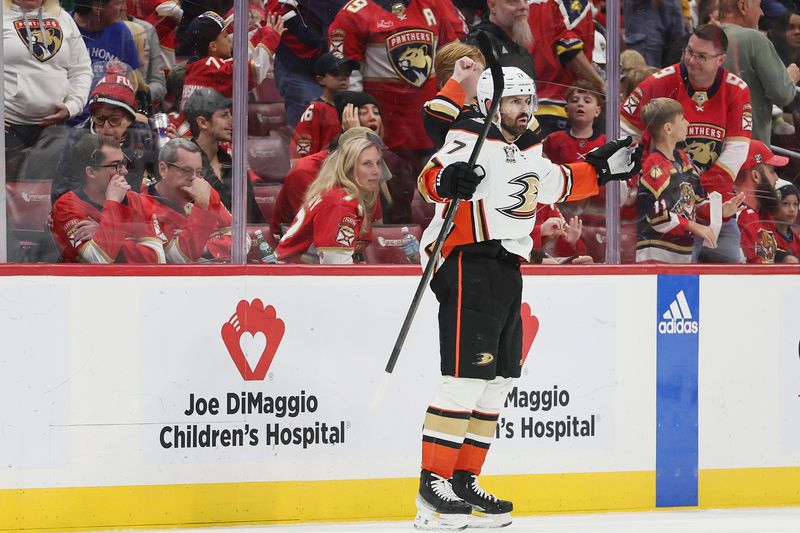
[103,221]
[194,222]
[716,104]
[754,58]
[209,116]
[112,105]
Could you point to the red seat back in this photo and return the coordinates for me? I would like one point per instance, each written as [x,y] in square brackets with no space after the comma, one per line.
[28,205]
[268,157]
[421,211]
[387,243]
[265,198]
[267,90]
[262,118]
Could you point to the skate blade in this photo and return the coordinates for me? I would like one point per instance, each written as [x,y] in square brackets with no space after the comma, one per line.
[429,520]
[479,520]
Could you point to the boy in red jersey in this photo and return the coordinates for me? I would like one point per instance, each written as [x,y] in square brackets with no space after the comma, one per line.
[319,124]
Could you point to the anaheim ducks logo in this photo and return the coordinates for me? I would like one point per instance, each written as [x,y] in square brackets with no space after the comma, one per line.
[483,359]
[411,55]
[766,245]
[525,207]
[45,42]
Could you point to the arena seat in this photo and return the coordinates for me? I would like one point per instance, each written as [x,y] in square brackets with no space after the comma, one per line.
[267,90]
[268,156]
[387,243]
[28,209]
[262,118]
[265,195]
[421,211]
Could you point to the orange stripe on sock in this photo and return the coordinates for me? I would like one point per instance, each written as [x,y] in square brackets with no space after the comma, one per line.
[471,458]
[458,316]
[439,459]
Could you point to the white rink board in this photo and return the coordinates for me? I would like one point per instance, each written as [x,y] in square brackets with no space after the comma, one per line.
[749,372]
[94,377]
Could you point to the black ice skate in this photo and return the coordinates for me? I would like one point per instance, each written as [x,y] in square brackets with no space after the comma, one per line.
[437,505]
[488,511]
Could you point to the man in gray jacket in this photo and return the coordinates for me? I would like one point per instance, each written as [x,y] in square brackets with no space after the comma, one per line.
[752,57]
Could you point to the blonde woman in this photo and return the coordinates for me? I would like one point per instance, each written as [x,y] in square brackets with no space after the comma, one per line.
[47,74]
[337,215]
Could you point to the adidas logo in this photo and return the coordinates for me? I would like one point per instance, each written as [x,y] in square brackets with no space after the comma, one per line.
[678,318]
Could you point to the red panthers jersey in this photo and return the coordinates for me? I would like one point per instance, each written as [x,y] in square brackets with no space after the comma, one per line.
[396,50]
[191,232]
[788,243]
[128,232]
[560,32]
[332,223]
[720,121]
[758,237]
[315,130]
[561,147]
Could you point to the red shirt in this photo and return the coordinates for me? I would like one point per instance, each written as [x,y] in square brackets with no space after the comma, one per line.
[396,52]
[293,191]
[560,32]
[332,222]
[758,237]
[189,231]
[128,231]
[318,126]
[720,121]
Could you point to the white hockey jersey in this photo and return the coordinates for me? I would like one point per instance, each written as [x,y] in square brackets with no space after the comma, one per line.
[503,207]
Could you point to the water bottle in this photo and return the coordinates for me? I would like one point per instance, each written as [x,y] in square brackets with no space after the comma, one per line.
[264,249]
[410,246]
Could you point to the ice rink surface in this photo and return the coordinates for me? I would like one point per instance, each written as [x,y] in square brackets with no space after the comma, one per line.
[772,520]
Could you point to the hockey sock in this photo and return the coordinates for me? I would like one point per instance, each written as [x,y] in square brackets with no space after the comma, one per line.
[482,426]
[446,423]
[480,432]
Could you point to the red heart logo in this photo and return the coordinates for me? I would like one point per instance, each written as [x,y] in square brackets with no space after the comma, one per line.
[530,327]
[260,324]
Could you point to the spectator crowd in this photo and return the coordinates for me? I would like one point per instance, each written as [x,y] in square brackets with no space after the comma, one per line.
[119,125]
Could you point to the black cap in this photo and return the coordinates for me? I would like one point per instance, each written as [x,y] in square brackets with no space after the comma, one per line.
[357,98]
[786,188]
[329,62]
[203,102]
[202,31]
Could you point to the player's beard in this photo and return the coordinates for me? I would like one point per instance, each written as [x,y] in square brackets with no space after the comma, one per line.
[512,127]
[521,32]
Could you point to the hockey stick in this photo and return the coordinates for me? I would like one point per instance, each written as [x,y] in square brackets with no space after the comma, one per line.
[493,63]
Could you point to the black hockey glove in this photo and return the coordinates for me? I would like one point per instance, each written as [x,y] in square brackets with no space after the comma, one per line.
[458,180]
[616,160]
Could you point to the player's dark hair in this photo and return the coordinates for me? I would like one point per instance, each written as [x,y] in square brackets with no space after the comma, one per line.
[713,33]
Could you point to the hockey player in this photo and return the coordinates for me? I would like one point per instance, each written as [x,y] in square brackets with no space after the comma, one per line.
[717,105]
[480,329]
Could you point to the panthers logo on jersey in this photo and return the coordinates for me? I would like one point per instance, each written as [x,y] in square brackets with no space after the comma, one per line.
[766,245]
[45,42]
[411,55]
